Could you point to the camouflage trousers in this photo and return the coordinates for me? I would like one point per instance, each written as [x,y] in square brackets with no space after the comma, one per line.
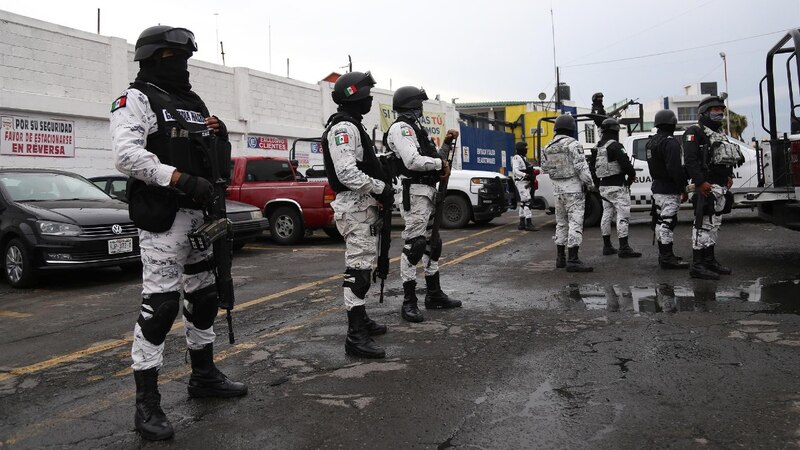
[667,206]
[569,219]
[616,205]
[164,256]
[706,236]
[524,205]
[361,245]
[417,223]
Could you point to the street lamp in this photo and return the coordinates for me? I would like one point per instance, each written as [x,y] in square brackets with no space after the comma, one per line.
[727,105]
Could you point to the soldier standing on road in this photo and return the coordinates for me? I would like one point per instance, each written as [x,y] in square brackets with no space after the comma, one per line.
[355,173]
[709,160]
[167,197]
[611,165]
[669,185]
[563,160]
[522,172]
[420,167]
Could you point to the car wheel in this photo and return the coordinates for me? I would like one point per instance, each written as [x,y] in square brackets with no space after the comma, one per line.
[286,226]
[333,232]
[455,212]
[18,266]
[593,211]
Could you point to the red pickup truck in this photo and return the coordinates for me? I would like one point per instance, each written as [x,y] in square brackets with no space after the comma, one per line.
[292,204]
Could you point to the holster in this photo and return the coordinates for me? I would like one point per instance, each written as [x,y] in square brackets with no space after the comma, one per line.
[406,183]
[728,203]
[151,208]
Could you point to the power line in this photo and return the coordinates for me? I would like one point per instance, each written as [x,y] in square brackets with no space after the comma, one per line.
[674,51]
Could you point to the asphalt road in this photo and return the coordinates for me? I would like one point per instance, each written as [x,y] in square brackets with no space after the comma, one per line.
[628,356]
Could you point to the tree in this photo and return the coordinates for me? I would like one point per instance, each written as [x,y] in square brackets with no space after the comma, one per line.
[738,124]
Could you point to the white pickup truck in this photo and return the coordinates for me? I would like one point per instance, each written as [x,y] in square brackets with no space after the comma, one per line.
[745,181]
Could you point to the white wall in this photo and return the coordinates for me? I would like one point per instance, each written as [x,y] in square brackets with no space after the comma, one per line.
[53,71]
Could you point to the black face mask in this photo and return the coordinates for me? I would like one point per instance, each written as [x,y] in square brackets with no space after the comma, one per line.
[170,73]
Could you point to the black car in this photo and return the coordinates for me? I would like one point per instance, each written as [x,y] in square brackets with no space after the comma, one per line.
[247,220]
[52,219]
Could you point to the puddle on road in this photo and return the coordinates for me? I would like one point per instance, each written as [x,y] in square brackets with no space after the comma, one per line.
[782,297]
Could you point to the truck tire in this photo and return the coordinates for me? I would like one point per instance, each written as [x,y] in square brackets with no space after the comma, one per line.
[18,264]
[286,226]
[333,232]
[456,212]
[593,211]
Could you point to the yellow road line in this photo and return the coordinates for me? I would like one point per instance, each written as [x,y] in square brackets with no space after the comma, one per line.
[14,314]
[101,347]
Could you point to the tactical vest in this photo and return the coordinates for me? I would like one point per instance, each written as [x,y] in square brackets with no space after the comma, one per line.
[527,169]
[426,148]
[655,156]
[193,158]
[557,160]
[604,167]
[369,164]
[721,151]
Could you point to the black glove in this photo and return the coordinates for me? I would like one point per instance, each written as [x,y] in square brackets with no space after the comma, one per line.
[386,197]
[198,188]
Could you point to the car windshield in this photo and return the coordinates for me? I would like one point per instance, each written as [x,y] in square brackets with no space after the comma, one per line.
[44,186]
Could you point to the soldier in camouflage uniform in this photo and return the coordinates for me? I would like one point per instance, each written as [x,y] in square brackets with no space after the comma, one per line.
[610,164]
[563,160]
[668,187]
[522,172]
[356,175]
[709,159]
[176,193]
[421,167]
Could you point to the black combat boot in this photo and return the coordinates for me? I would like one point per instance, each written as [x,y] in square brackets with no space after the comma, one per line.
[573,263]
[608,249]
[373,328]
[150,420]
[409,310]
[529,225]
[698,268]
[435,298]
[667,259]
[714,265]
[625,250]
[206,380]
[358,342]
[561,257]
[521,225]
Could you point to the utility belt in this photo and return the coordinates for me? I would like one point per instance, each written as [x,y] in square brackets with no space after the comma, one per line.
[427,180]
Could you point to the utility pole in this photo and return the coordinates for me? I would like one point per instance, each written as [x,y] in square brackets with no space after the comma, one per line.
[555,65]
[727,104]
[222,52]
[287,68]
[98,20]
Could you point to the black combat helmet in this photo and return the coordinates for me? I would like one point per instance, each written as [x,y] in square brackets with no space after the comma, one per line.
[665,117]
[598,96]
[160,37]
[408,98]
[352,87]
[610,124]
[564,122]
[708,103]
[521,147]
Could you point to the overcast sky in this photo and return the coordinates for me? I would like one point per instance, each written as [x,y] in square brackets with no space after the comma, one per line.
[472,50]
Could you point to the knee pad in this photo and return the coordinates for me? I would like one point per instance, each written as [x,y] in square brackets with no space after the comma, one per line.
[414,248]
[358,281]
[204,307]
[161,309]
[670,221]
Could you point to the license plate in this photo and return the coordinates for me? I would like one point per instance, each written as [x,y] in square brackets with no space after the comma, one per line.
[124,245]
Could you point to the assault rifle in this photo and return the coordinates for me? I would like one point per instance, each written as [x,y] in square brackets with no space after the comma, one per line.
[384,228]
[441,193]
[216,231]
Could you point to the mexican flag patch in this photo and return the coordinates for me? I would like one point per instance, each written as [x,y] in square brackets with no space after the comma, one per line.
[406,131]
[690,137]
[350,90]
[119,103]
[341,139]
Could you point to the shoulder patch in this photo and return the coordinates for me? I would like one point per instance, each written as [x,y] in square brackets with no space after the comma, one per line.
[119,103]
[406,131]
[341,139]
[689,137]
